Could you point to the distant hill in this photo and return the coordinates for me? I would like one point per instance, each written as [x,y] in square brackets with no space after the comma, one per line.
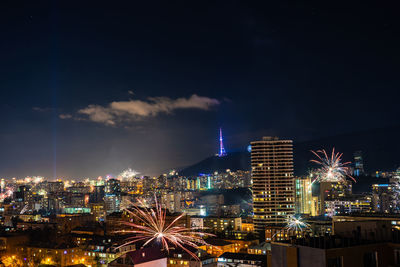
[380,147]
[233,161]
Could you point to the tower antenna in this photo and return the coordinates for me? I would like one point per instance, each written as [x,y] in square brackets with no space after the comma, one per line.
[222,152]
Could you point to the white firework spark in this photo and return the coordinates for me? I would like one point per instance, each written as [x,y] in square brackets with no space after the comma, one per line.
[296,223]
[128,174]
[332,169]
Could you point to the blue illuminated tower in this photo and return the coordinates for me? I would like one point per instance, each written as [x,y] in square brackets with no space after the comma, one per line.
[222,152]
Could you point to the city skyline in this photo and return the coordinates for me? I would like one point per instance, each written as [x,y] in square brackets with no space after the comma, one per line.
[199,134]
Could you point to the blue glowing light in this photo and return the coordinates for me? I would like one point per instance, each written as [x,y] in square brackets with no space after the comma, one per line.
[222,151]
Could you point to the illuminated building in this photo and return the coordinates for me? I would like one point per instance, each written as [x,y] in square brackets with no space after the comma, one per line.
[112,203]
[97,195]
[273,181]
[171,201]
[200,211]
[329,191]
[77,199]
[217,247]
[76,210]
[97,211]
[112,198]
[80,188]
[57,255]
[303,195]
[24,195]
[347,206]
[358,164]
[382,196]
[259,249]
[113,187]
[223,180]
[247,225]
[279,233]
[55,187]
[218,224]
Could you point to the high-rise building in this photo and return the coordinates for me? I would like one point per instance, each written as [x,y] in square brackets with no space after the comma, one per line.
[358,163]
[382,198]
[304,195]
[112,203]
[273,181]
[98,194]
[113,186]
[112,198]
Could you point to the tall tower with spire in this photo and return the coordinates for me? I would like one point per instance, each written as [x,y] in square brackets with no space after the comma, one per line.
[222,152]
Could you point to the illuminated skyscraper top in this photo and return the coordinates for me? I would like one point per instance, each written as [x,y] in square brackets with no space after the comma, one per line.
[358,164]
[222,152]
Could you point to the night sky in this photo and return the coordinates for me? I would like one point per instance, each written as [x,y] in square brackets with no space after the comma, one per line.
[92,88]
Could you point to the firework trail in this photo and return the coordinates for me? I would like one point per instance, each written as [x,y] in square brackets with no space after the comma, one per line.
[152,227]
[331,167]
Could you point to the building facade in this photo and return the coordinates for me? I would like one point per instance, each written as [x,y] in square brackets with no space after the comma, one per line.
[273,181]
[304,201]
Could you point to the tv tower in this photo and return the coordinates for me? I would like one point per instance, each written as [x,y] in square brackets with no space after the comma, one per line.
[222,152]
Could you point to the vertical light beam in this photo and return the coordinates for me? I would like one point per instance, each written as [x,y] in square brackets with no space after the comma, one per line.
[222,152]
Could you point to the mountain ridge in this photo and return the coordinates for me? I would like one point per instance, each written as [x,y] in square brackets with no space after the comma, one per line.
[380,148]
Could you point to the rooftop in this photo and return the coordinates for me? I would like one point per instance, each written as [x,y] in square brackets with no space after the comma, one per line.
[327,242]
[217,242]
[147,255]
[243,256]
[370,215]
[263,245]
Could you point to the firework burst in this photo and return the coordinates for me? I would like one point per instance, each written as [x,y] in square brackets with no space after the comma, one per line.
[332,169]
[153,228]
[296,223]
[128,174]
[7,193]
